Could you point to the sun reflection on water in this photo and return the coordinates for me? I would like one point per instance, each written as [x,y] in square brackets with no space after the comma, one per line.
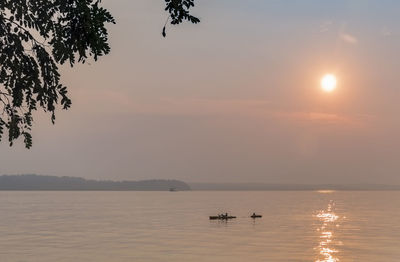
[329,221]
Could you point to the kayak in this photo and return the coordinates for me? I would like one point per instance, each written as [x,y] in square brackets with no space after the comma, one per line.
[256,216]
[221,217]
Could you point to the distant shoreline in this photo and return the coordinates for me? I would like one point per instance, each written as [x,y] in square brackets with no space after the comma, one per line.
[54,183]
[289,187]
[32,182]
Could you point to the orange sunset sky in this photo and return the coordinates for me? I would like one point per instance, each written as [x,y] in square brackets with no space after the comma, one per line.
[236,98]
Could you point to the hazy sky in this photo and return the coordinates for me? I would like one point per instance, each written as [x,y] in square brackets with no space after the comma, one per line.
[235,98]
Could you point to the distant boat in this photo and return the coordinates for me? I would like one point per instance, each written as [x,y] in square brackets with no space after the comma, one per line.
[222,217]
[172,189]
[255,216]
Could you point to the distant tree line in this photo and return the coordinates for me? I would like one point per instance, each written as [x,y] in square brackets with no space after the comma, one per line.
[37,182]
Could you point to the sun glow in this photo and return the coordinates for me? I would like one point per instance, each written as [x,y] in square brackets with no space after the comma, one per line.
[328,83]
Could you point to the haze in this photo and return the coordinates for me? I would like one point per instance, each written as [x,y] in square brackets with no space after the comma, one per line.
[236,98]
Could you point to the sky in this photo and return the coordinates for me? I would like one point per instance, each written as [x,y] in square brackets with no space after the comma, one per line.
[236,98]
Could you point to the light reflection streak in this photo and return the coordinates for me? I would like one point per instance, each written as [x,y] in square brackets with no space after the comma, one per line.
[326,191]
[329,221]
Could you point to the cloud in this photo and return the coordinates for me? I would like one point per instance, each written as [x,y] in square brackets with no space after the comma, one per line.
[202,106]
[358,121]
[258,108]
[113,102]
[350,39]
[325,26]
[386,32]
[320,117]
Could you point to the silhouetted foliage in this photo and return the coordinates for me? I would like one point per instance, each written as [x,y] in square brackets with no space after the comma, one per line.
[179,11]
[36,36]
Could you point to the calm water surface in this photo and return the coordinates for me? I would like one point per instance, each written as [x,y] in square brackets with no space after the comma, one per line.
[174,226]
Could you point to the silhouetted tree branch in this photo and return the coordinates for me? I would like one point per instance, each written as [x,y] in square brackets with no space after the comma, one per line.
[179,11]
[38,36]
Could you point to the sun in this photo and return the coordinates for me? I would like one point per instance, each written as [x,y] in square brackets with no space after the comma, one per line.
[328,82]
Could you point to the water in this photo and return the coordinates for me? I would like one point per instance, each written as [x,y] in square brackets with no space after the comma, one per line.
[174,226]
